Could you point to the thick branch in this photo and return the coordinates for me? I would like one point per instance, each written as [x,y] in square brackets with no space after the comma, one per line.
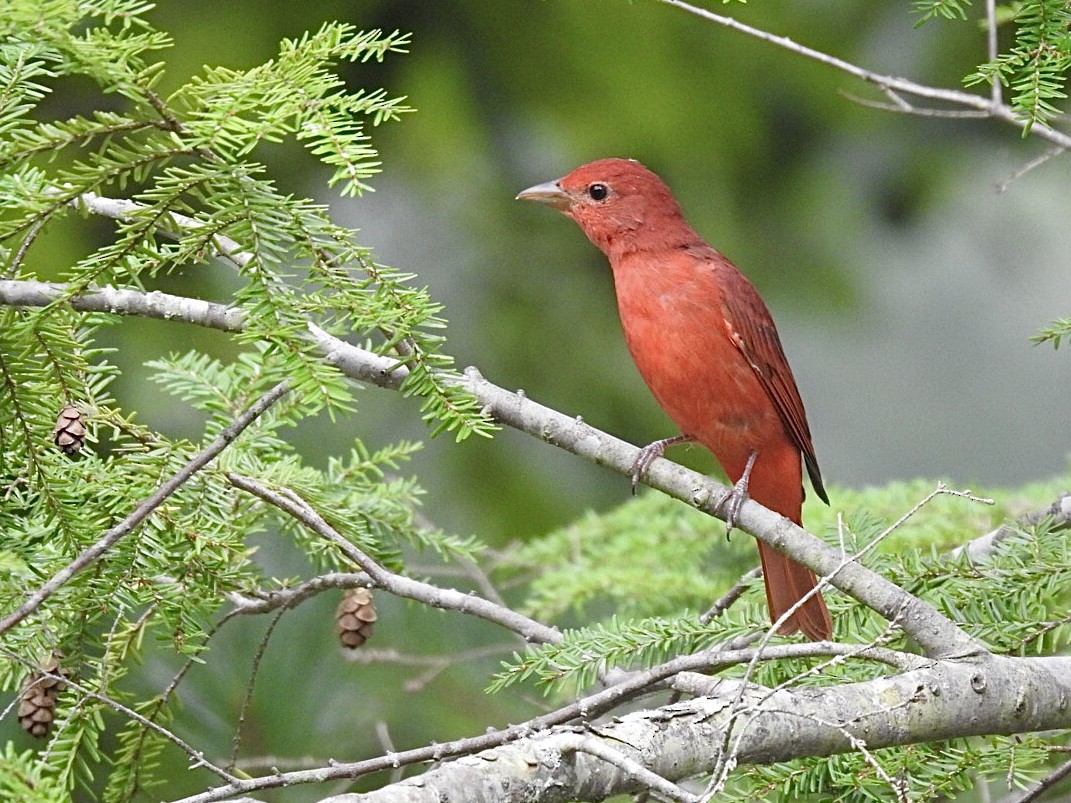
[124,302]
[586,708]
[949,699]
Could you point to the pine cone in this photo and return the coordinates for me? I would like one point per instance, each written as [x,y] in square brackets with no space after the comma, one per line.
[70,431]
[37,706]
[355,618]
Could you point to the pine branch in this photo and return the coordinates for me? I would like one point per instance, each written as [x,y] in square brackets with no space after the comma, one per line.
[983,547]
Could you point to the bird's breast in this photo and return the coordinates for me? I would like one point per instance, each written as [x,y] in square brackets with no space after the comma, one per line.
[679,338]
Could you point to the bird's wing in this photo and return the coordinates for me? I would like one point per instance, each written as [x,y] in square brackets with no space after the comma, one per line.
[752,330]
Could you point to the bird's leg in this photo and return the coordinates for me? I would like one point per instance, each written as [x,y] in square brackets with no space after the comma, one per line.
[730,505]
[652,452]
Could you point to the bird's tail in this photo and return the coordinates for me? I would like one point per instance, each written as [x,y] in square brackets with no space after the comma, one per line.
[787,582]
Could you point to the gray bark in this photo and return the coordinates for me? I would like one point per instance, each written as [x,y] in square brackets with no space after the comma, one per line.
[752,725]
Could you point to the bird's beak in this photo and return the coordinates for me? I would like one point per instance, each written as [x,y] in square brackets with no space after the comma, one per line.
[549,193]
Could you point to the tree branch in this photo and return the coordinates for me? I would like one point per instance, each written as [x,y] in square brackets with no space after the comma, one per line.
[161,306]
[586,708]
[982,548]
[948,699]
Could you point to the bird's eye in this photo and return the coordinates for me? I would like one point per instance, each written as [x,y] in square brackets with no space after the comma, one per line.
[598,192]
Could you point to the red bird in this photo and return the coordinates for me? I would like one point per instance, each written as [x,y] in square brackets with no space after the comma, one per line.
[706,346]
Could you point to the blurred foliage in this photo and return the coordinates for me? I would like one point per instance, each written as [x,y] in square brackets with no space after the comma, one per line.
[760,147]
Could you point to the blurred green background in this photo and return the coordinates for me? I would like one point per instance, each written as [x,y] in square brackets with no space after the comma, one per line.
[905,287]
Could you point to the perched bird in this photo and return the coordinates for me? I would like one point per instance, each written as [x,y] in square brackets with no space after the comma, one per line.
[706,345]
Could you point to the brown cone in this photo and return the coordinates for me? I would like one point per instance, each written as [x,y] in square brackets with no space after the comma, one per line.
[37,705]
[69,433]
[355,618]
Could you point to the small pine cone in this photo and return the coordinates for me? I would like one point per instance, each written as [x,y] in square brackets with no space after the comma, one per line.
[37,705]
[355,618]
[70,431]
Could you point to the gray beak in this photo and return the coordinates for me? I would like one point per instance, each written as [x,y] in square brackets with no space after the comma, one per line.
[549,193]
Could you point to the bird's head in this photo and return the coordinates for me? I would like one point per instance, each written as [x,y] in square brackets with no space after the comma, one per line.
[618,203]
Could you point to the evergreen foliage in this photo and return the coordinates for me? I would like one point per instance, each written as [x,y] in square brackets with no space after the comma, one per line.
[1037,65]
[625,586]
[187,161]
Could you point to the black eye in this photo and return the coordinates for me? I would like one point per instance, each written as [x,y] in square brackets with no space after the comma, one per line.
[598,192]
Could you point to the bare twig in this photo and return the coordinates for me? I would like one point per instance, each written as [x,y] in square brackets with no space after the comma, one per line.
[892,86]
[992,47]
[446,598]
[1045,784]
[434,665]
[387,744]
[142,511]
[254,670]
[726,601]
[1036,162]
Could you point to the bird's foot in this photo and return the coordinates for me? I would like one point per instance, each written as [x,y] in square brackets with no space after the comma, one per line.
[651,452]
[730,505]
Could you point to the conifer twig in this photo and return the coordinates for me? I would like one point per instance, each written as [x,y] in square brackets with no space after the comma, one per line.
[196,756]
[145,509]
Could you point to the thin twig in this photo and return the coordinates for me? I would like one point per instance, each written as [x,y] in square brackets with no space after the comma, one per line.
[387,745]
[727,599]
[888,84]
[901,106]
[1045,784]
[243,709]
[992,48]
[142,511]
[446,598]
[1037,161]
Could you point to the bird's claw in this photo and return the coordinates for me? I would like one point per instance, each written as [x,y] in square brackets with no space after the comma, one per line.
[734,500]
[649,453]
[730,506]
[644,459]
